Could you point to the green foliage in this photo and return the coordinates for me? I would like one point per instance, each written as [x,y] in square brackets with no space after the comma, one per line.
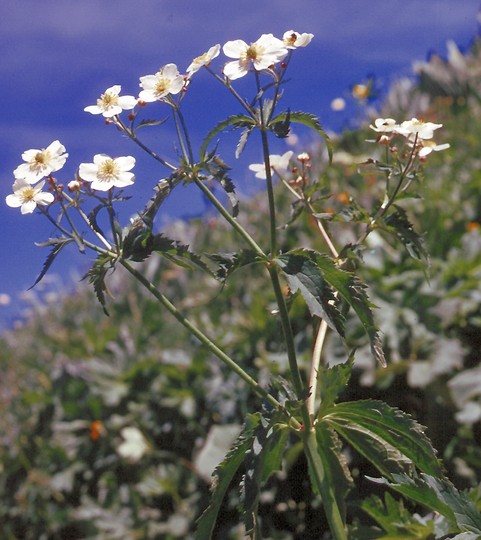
[73,380]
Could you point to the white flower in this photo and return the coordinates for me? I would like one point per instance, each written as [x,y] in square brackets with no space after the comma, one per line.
[106,172]
[415,127]
[110,103]
[203,60]
[166,81]
[385,125]
[26,197]
[431,146]
[263,53]
[40,163]
[279,165]
[292,39]
[134,446]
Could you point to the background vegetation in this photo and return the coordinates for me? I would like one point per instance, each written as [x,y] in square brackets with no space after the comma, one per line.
[74,379]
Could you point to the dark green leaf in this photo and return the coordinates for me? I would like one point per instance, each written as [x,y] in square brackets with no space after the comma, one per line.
[304,275]
[381,422]
[97,275]
[335,466]
[398,223]
[305,119]
[322,274]
[230,262]
[243,141]
[148,122]
[333,380]
[223,476]
[235,122]
[58,244]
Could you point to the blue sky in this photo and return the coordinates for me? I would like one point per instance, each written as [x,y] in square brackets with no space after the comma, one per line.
[59,55]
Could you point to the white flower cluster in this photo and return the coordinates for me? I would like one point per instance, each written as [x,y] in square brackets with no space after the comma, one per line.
[416,131]
[27,193]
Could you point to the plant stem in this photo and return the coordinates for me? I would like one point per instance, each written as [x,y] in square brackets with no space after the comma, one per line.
[230,219]
[324,486]
[205,340]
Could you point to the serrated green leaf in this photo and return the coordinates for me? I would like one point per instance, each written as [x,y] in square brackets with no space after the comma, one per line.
[236,121]
[333,380]
[96,276]
[223,476]
[387,424]
[179,253]
[58,244]
[395,519]
[305,119]
[416,489]
[243,141]
[349,287]
[398,223]
[230,262]
[304,275]
[335,466]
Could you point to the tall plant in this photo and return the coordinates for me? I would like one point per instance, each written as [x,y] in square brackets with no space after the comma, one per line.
[305,407]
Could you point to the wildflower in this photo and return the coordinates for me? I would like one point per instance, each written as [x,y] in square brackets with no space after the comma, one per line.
[431,146]
[110,103]
[134,445]
[166,81]
[417,128]
[385,125]
[203,60]
[26,196]
[40,163]
[263,53]
[292,39]
[106,172]
[279,165]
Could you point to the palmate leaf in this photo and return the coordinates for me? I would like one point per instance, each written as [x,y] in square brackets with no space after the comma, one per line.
[318,275]
[57,245]
[223,476]
[369,425]
[235,121]
[305,119]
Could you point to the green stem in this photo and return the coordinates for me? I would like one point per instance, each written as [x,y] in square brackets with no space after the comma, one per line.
[288,336]
[324,486]
[227,216]
[205,340]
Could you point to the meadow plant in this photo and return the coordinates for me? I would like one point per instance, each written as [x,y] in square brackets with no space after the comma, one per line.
[306,407]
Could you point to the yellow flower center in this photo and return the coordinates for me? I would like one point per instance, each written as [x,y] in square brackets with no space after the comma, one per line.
[108,170]
[162,86]
[27,194]
[107,100]
[40,160]
[254,52]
